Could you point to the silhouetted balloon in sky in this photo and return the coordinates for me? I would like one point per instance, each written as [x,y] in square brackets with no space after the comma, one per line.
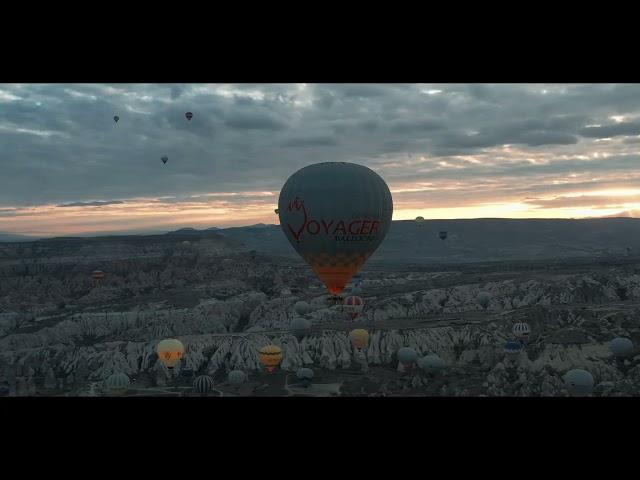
[116,118]
[335,214]
[189,115]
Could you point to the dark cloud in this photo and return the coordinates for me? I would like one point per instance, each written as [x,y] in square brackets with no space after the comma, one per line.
[255,121]
[607,131]
[320,141]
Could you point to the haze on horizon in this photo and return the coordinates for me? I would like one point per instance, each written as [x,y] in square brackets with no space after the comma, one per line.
[446,151]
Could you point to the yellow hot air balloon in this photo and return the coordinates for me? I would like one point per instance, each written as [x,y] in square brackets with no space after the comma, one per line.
[170,351]
[270,357]
[359,338]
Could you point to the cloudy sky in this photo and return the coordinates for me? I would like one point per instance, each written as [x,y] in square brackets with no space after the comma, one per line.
[446,151]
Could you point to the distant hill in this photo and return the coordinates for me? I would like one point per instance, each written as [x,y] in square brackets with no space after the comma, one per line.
[10,237]
[489,239]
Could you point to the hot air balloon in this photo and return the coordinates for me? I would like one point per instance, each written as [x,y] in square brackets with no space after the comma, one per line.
[300,327]
[277,210]
[483,300]
[302,308]
[442,235]
[419,219]
[165,159]
[189,115]
[203,384]
[621,347]
[236,377]
[432,363]
[117,383]
[353,306]
[335,215]
[270,357]
[116,118]
[512,348]
[578,382]
[521,330]
[305,375]
[407,356]
[359,338]
[170,351]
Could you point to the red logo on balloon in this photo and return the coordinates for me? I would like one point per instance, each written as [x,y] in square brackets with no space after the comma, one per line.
[297,205]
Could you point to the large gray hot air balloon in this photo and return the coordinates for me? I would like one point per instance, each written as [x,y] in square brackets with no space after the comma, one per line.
[407,356]
[203,384]
[621,347]
[335,214]
[578,382]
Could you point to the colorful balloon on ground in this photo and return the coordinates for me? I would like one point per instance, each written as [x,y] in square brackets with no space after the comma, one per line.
[236,377]
[359,338]
[521,330]
[117,383]
[353,306]
[170,351]
[270,357]
[203,384]
[189,115]
[578,382]
[621,347]
[335,215]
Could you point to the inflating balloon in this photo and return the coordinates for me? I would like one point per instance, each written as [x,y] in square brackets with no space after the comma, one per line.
[353,306]
[170,351]
[270,357]
[117,383]
[203,384]
[578,382]
[335,215]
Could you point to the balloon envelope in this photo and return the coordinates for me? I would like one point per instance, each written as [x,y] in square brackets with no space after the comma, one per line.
[304,374]
[300,325]
[116,118]
[407,355]
[521,330]
[621,347]
[335,214]
[118,382]
[189,115]
[359,338]
[302,308]
[236,377]
[432,363]
[203,384]
[170,351]
[165,159]
[270,357]
[578,382]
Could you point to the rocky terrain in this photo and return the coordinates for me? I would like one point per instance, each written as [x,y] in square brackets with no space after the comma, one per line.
[63,333]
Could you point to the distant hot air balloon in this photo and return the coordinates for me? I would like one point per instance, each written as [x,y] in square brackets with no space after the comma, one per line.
[483,300]
[420,221]
[353,306]
[578,382]
[407,356]
[512,348]
[335,214]
[165,159]
[170,351]
[203,384]
[432,363]
[97,276]
[442,235]
[305,375]
[189,115]
[302,307]
[236,377]
[117,383]
[270,357]
[116,118]
[277,210]
[359,338]
[300,327]
[521,330]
